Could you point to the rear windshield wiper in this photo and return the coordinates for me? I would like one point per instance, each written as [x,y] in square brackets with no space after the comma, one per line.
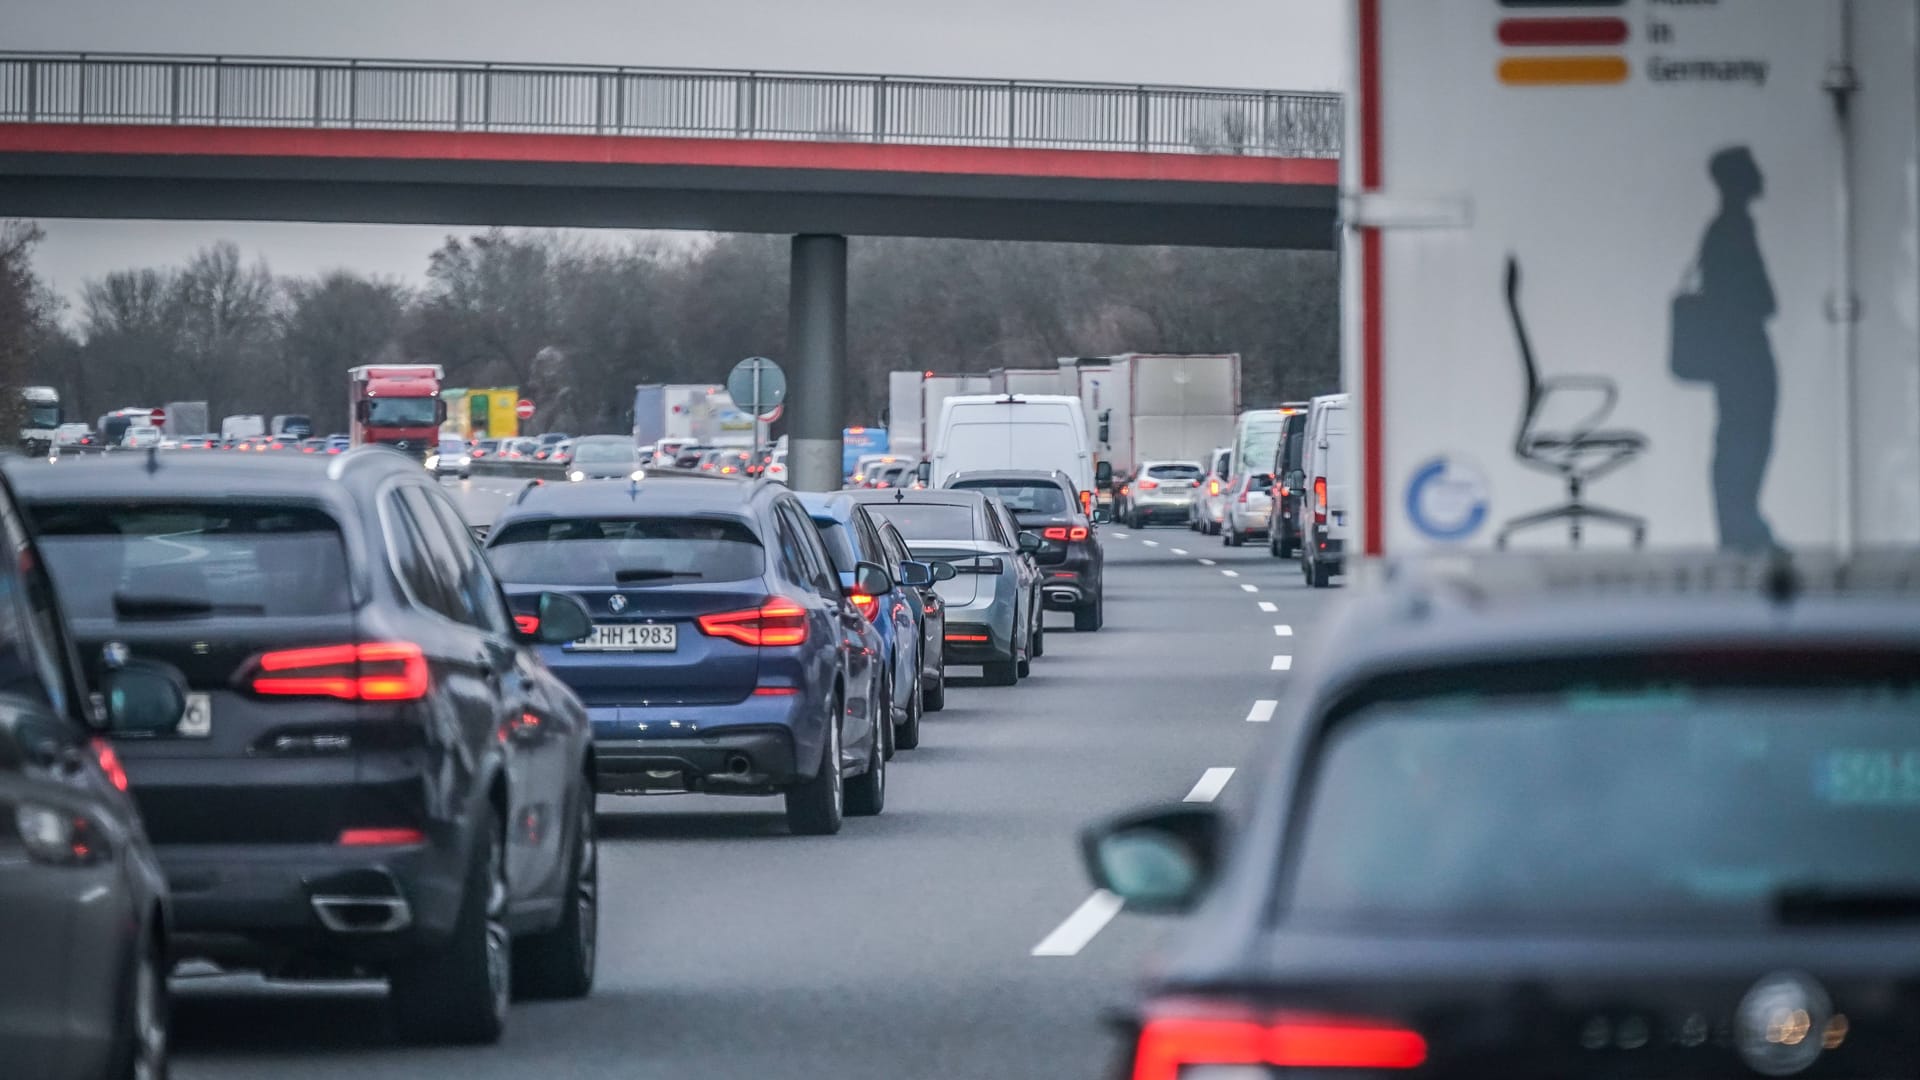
[1893,902]
[160,606]
[624,576]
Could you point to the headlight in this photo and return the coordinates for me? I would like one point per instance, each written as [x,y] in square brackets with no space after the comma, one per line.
[433,461]
[58,837]
[576,475]
[637,474]
[464,460]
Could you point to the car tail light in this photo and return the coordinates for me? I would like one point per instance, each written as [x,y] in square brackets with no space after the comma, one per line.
[777,622]
[368,671]
[775,691]
[1086,503]
[380,837]
[1171,1045]
[869,605]
[1057,532]
[1243,498]
[1213,487]
[109,763]
[1285,491]
[1149,485]
[969,638]
[1319,500]
[527,624]
[931,608]
[306,449]
[58,837]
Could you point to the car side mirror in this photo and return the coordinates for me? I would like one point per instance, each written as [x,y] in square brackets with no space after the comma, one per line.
[916,575]
[1101,515]
[924,473]
[872,579]
[1103,474]
[1161,860]
[562,619]
[143,698]
[944,571]
[1029,542]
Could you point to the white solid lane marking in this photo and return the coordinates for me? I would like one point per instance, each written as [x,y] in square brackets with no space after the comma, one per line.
[1208,562]
[1283,663]
[1151,543]
[1212,782]
[1268,606]
[1121,536]
[1087,920]
[1231,573]
[1262,711]
[1178,551]
[1251,588]
[1283,630]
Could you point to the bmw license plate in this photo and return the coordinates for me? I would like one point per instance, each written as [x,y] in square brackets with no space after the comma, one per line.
[630,637]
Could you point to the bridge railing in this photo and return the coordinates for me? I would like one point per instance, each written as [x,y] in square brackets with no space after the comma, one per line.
[410,95]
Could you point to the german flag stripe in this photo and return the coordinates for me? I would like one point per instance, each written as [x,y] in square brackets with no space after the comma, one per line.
[1563,70]
[1563,3]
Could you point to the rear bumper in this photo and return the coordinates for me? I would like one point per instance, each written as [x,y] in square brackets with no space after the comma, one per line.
[1252,523]
[733,761]
[1328,550]
[1066,585]
[978,643]
[274,905]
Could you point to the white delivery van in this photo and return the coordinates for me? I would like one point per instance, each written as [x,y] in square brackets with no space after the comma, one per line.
[1327,509]
[1012,431]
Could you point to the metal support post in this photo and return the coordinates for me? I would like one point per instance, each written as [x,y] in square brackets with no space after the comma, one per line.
[817,343]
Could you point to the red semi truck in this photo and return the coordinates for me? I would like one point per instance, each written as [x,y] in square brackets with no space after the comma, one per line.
[397,405]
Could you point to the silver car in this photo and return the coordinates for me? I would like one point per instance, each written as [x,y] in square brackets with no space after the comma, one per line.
[993,600]
[1249,509]
[1210,500]
[1162,491]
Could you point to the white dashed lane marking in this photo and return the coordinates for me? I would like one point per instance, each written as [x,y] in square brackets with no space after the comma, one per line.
[1208,562]
[1268,606]
[1262,711]
[1283,630]
[1282,663]
[1151,543]
[1231,573]
[1091,917]
[1212,782]
[1251,588]
[1179,551]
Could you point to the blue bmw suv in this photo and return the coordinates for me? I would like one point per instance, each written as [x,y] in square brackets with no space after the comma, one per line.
[852,538]
[726,655]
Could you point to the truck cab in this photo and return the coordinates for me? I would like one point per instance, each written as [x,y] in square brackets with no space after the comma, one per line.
[397,405]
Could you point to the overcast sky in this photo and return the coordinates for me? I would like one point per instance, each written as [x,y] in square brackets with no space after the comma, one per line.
[1267,44]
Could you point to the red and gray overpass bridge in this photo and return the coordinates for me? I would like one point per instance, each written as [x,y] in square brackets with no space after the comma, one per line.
[820,157]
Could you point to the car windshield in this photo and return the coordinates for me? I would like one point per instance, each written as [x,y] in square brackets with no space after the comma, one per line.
[927,521]
[402,412]
[452,445]
[1175,472]
[601,552]
[1611,803]
[592,453]
[173,560]
[1022,496]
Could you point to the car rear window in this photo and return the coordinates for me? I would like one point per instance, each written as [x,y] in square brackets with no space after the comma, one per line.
[1260,482]
[1174,472]
[180,560]
[839,544]
[1034,497]
[589,551]
[927,521]
[1667,802]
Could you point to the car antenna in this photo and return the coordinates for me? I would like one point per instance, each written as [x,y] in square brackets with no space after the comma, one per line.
[899,495]
[153,460]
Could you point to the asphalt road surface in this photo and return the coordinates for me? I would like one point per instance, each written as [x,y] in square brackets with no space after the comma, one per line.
[953,936]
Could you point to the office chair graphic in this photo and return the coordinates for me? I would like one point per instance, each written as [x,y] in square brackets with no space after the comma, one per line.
[1577,453]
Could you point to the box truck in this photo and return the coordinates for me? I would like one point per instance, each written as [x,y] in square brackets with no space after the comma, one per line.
[1157,406]
[396,405]
[1643,279]
[184,418]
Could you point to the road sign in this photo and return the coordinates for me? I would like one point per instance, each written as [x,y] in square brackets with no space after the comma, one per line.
[524,409]
[159,417]
[757,385]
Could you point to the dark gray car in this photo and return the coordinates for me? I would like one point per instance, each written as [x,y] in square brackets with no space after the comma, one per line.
[1639,823]
[603,457]
[83,903]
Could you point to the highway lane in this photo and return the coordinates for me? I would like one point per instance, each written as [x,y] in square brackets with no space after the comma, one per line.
[905,945]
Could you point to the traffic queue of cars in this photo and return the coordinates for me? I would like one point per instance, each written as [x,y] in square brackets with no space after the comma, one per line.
[287,715]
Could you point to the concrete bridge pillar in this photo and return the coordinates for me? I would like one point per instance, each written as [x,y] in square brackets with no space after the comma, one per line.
[817,348]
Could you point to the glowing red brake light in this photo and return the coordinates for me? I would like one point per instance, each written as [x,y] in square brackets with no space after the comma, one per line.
[1213,487]
[777,622]
[109,763]
[1057,532]
[1169,1045]
[380,837]
[369,671]
[1319,500]
[1149,485]
[527,624]
[1078,532]
[868,605]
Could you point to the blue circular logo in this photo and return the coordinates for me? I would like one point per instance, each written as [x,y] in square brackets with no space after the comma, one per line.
[1447,499]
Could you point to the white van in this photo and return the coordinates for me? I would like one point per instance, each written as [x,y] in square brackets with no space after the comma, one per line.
[1327,506]
[1014,431]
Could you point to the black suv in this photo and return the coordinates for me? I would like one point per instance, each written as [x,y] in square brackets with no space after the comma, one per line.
[372,772]
[1071,562]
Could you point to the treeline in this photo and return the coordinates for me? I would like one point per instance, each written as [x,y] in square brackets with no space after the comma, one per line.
[576,322]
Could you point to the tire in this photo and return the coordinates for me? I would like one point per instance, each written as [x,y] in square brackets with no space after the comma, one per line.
[935,699]
[140,1052]
[867,793]
[815,807]
[1037,645]
[1320,577]
[459,994]
[1229,538]
[1091,617]
[906,735]
[558,964]
[1000,673]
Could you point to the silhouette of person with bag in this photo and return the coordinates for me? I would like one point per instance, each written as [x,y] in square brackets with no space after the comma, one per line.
[1719,337]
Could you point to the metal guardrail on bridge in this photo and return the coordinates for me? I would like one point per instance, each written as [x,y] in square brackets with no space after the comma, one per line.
[115,88]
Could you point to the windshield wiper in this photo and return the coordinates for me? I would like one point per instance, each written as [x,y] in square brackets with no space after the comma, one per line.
[624,576]
[1891,902]
[161,606]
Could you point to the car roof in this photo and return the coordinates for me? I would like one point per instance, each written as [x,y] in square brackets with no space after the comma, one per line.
[658,493]
[944,496]
[1052,475]
[144,476]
